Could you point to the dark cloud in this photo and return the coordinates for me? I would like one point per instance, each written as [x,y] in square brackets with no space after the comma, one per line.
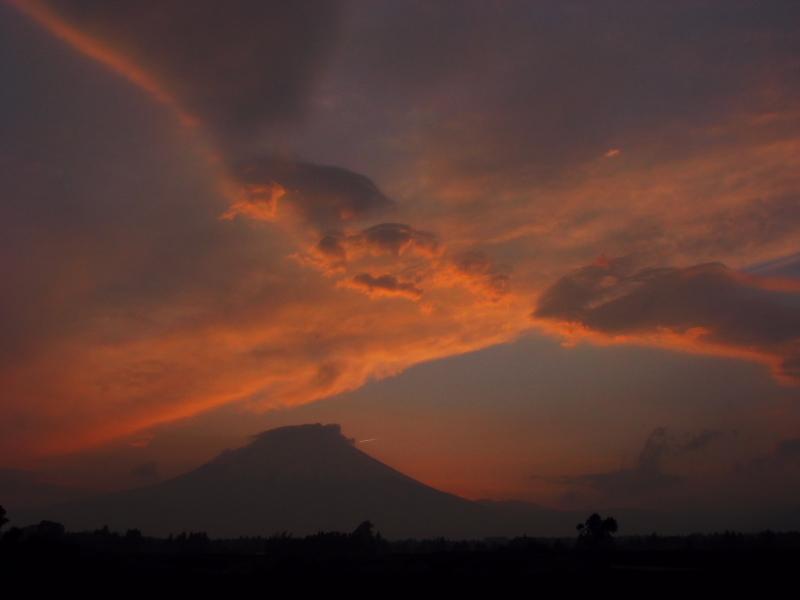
[703,439]
[324,196]
[645,477]
[389,239]
[784,266]
[385,285]
[235,69]
[723,307]
[396,238]
[657,444]
[629,483]
[332,246]
[407,256]
[445,36]
[566,81]
[767,479]
[776,470]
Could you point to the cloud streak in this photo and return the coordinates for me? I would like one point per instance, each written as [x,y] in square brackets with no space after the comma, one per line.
[235,70]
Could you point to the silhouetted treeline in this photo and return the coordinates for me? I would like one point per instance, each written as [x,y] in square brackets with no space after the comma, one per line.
[48,549]
[728,540]
[364,541]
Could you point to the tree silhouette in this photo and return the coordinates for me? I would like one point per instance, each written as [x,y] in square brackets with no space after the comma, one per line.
[3,519]
[363,531]
[596,531]
[49,530]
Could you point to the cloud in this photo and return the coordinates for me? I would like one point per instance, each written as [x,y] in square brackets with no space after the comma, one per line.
[324,196]
[134,304]
[783,457]
[412,256]
[236,75]
[395,239]
[702,440]
[626,484]
[576,79]
[259,201]
[654,448]
[783,267]
[141,441]
[385,285]
[753,223]
[645,477]
[235,70]
[388,240]
[709,307]
[478,272]
[772,476]
[483,129]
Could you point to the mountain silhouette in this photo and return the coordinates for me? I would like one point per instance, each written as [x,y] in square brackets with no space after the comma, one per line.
[310,478]
[301,479]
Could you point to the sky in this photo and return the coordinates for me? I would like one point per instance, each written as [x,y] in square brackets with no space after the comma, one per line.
[544,251]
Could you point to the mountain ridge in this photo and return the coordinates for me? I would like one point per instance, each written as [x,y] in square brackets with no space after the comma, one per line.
[299,479]
[303,479]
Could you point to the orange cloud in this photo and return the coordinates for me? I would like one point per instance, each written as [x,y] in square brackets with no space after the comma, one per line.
[407,257]
[321,196]
[79,393]
[259,202]
[707,307]
[387,240]
[488,181]
[384,285]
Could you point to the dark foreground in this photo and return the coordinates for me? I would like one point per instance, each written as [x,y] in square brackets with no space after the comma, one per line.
[49,556]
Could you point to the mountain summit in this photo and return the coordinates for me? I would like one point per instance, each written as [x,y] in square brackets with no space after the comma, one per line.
[301,480]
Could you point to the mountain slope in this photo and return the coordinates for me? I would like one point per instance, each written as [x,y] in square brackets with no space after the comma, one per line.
[300,479]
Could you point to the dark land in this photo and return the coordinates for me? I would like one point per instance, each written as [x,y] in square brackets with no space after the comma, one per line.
[47,552]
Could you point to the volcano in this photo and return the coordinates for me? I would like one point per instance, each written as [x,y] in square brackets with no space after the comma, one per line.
[301,480]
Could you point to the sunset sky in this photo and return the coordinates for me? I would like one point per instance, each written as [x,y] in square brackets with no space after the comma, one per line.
[546,251]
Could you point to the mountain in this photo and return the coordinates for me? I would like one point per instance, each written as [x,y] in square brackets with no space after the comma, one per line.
[24,489]
[311,478]
[301,480]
